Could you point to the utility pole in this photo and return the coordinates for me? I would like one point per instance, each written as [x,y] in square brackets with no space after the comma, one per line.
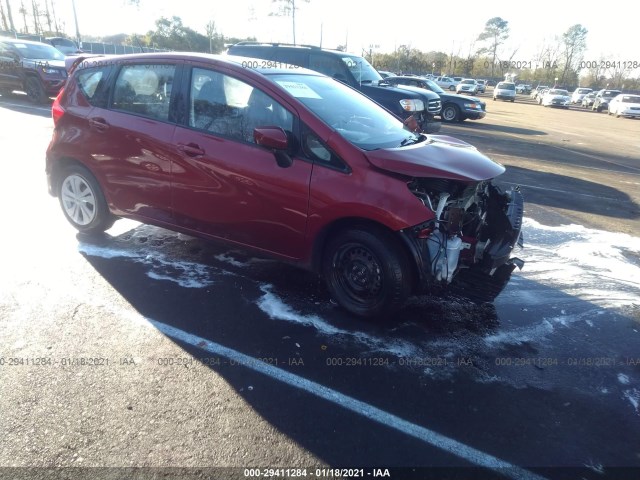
[75,18]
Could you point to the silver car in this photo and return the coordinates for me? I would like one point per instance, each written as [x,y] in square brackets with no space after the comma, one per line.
[505,91]
[467,85]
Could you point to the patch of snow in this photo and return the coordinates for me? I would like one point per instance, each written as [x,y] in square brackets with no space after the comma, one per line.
[623,379]
[633,396]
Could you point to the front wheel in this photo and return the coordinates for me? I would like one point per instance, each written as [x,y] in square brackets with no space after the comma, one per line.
[450,113]
[82,201]
[35,92]
[366,271]
[452,88]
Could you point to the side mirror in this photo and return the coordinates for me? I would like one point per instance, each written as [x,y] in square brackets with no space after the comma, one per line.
[275,139]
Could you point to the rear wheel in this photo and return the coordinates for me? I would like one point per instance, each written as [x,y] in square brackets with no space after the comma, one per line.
[82,201]
[366,271]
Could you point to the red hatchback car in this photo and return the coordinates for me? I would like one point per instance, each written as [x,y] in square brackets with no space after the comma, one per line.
[285,161]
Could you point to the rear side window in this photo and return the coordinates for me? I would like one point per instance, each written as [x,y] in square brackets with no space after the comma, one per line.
[93,85]
[144,90]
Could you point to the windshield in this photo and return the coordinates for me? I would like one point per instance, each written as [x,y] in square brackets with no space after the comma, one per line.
[506,86]
[354,116]
[584,90]
[434,87]
[361,70]
[631,99]
[611,93]
[469,82]
[556,91]
[38,51]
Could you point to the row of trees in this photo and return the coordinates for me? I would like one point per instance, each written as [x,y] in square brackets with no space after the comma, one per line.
[37,17]
[559,61]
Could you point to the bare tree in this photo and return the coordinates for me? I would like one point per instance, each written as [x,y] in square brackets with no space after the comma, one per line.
[5,25]
[288,8]
[575,43]
[10,17]
[496,32]
[23,12]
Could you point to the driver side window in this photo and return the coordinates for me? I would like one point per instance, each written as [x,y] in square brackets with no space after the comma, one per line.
[224,105]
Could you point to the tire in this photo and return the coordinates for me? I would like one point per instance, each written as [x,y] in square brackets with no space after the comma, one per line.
[366,272]
[450,113]
[452,88]
[35,92]
[82,201]
[513,100]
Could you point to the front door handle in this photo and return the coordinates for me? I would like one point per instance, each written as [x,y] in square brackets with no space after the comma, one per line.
[191,149]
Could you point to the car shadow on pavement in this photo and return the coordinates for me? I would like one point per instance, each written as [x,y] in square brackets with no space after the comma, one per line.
[490,127]
[276,313]
[571,193]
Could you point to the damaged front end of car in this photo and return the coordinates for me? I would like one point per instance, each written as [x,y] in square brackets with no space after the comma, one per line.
[466,247]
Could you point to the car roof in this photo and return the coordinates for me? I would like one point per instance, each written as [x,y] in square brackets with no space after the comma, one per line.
[20,40]
[226,60]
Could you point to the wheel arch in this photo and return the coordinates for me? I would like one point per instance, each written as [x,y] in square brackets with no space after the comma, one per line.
[345,223]
[59,166]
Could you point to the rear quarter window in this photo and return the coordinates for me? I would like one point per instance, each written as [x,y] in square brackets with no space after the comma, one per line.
[93,85]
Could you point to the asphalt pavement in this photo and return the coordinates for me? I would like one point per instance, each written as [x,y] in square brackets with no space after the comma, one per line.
[150,354]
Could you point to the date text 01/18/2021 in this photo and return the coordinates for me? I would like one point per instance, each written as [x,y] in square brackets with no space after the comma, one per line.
[317,473]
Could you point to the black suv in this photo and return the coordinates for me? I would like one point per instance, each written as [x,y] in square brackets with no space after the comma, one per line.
[32,67]
[455,108]
[351,69]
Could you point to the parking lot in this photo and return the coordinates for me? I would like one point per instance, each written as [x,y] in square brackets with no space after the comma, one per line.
[148,348]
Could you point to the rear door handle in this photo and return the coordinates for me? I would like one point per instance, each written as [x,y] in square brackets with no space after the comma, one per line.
[191,149]
[98,123]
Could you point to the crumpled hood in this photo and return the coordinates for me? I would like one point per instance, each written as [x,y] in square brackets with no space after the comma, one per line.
[439,156]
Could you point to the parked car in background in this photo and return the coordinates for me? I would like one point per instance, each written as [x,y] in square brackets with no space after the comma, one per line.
[455,108]
[541,95]
[64,45]
[505,91]
[482,86]
[467,85]
[457,80]
[287,162]
[579,93]
[447,83]
[625,105]
[588,99]
[523,88]
[556,97]
[603,97]
[536,91]
[35,68]
[353,70]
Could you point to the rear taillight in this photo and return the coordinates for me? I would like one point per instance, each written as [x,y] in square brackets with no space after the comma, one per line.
[56,109]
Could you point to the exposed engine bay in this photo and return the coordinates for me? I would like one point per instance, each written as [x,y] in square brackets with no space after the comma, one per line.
[474,230]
